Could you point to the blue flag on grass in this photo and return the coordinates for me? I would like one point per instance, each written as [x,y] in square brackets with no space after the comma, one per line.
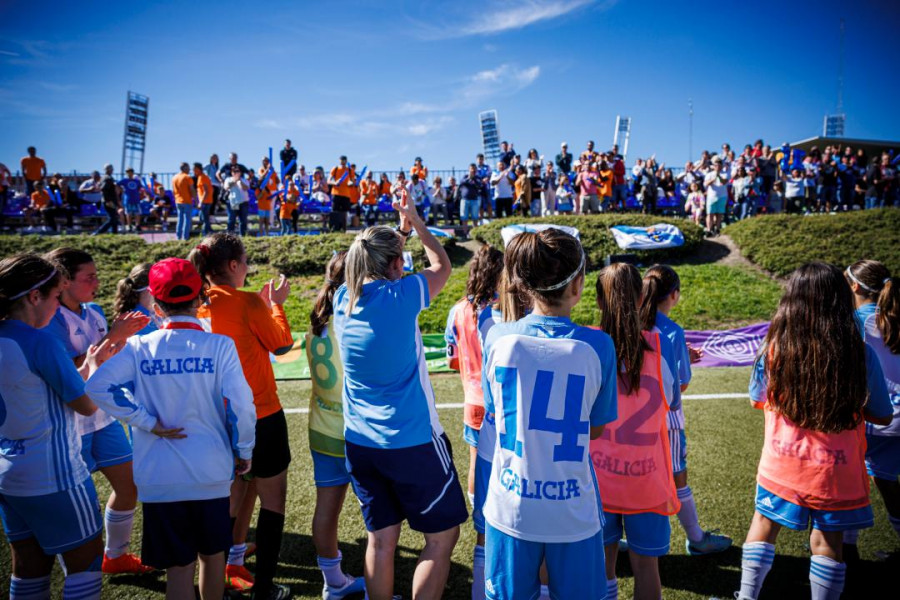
[661,235]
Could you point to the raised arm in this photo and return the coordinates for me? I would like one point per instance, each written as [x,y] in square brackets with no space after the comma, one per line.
[438,271]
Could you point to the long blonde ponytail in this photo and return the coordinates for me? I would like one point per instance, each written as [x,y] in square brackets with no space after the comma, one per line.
[370,256]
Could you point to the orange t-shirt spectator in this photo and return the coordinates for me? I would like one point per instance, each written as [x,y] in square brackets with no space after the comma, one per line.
[34,168]
[183,187]
[264,194]
[368,188]
[40,199]
[290,202]
[337,173]
[419,169]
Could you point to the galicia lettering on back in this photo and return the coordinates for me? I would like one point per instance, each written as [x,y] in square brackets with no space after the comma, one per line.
[177,366]
[537,489]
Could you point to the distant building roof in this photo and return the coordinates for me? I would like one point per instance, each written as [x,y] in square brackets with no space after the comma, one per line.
[871,147]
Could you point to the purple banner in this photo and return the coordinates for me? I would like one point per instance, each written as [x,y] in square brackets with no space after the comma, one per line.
[729,348]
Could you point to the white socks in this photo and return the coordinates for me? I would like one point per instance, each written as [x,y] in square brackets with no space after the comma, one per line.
[478,573]
[545,593]
[755,564]
[118,531]
[687,515]
[331,570]
[236,554]
[35,588]
[826,577]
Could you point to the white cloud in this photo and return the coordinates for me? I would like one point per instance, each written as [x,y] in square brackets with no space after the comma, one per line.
[498,16]
[416,118]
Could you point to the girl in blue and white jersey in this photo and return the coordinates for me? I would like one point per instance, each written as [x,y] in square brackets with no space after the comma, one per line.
[79,323]
[661,292]
[876,295]
[551,386]
[183,391]
[390,419]
[47,499]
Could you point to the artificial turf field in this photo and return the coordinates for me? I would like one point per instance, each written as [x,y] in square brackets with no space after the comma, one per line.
[724,441]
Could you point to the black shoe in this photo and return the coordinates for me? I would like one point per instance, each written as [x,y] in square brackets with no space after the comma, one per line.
[277,592]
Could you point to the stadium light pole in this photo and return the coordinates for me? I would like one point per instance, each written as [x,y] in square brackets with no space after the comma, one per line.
[690,129]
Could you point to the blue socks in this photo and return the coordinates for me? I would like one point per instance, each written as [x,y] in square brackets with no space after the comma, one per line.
[612,589]
[83,586]
[755,564]
[478,573]
[826,577]
[35,588]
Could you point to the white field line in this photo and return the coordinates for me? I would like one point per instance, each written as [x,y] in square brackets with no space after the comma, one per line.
[450,405]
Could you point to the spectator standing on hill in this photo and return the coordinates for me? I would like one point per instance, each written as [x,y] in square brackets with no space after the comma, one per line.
[589,156]
[226,170]
[587,181]
[564,159]
[419,170]
[620,186]
[90,188]
[110,193]
[506,152]
[469,193]
[650,188]
[237,192]
[418,193]
[131,192]
[716,184]
[184,191]
[5,176]
[637,177]
[340,180]
[886,185]
[212,171]
[288,154]
[548,193]
[483,171]
[33,169]
[794,188]
[205,195]
[532,161]
[502,180]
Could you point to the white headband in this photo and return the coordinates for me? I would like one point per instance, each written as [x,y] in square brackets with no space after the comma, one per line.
[859,283]
[568,279]
[143,289]
[35,286]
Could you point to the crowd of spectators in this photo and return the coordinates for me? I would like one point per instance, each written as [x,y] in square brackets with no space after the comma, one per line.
[713,189]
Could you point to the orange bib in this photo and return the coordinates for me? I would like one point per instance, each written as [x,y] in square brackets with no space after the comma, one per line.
[822,471]
[468,351]
[631,458]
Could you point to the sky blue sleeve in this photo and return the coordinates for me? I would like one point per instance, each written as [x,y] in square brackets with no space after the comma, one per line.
[758,381]
[57,328]
[605,408]
[879,399]
[485,371]
[57,369]
[450,330]
[682,356]
[668,355]
[414,291]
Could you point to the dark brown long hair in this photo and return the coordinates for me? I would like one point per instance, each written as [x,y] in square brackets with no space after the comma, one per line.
[659,282]
[334,278]
[534,262]
[127,294]
[618,297]
[884,290]
[815,356]
[484,277]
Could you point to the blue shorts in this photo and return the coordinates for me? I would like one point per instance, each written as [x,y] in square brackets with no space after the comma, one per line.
[470,435]
[60,522]
[469,209]
[106,447]
[482,479]
[512,567]
[264,214]
[678,448]
[329,470]
[418,484]
[883,456]
[794,516]
[176,532]
[132,208]
[648,533]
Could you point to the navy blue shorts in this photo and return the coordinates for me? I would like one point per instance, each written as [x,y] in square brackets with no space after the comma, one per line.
[418,484]
[106,447]
[176,532]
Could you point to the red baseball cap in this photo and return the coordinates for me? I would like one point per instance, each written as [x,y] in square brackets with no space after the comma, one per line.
[174,275]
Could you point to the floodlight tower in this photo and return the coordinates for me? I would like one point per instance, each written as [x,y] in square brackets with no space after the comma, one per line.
[134,142]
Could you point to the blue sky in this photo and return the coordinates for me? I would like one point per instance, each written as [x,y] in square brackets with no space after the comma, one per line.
[386,81]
